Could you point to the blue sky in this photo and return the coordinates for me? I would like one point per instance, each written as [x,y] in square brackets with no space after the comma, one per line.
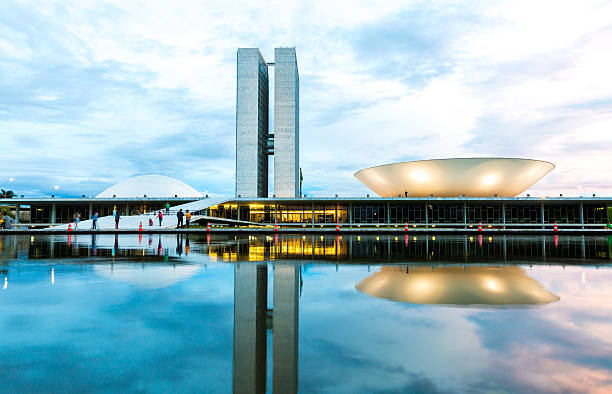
[94,92]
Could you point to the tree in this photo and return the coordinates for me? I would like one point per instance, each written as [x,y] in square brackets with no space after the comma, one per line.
[7,193]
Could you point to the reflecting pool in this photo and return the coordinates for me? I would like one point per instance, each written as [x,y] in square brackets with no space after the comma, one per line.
[412,313]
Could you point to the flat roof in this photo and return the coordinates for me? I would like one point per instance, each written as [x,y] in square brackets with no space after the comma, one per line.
[416,199]
[50,200]
[304,200]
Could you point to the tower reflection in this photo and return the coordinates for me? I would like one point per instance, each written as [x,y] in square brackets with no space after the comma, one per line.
[252,319]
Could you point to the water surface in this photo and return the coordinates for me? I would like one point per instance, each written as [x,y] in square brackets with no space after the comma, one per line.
[386,314]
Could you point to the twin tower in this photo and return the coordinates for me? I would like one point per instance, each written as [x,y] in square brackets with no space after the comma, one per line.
[254,142]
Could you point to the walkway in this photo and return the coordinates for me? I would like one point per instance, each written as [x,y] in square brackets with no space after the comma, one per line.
[169,221]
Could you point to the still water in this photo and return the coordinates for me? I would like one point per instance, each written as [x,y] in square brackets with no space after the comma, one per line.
[326,314]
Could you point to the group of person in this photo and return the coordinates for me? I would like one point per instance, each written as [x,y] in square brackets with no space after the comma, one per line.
[180,215]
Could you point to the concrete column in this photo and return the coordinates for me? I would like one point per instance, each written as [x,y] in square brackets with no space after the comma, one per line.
[426,214]
[542,213]
[285,328]
[250,345]
[53,217]
[503,211]
[388,213]
[582,214]
[313,215]
[336,211]
[17,208]
[464,215]
[90,210]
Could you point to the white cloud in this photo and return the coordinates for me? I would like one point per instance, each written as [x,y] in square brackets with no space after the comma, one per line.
[445,80]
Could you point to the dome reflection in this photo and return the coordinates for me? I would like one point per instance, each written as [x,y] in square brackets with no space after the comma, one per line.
[471,285]
[147,276]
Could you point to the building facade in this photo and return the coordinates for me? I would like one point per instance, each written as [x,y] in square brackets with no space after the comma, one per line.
[441,212]
[527,212]
[286,123]
[254,143]
[252,108]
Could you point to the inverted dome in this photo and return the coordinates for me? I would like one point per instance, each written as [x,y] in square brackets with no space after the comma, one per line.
[472,177]
[152,186]
[474,285]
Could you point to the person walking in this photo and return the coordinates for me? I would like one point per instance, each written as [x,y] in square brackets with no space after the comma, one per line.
[187,218]
[179,216]
[77,219]
[94,220]
[114,211]
[167,208]
[160,216]
[117,217]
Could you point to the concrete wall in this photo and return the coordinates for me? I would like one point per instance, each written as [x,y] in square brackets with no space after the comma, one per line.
[286,123]
[251,124]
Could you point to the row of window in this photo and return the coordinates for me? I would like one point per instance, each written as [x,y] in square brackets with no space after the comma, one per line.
[66,213]
[412,213]
[360,213]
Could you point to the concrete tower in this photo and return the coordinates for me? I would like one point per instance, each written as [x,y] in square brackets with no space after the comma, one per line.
[286,123]
[251,124]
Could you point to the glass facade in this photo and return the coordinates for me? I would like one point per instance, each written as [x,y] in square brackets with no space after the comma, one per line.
[446,213]
[417,212]
[407,213]
[523,214]
[40,214]
[299,212]
[562,214]
[489,213]
[370,213]
[595,214]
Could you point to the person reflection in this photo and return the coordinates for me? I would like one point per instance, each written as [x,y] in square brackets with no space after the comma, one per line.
[115,245]
[179,245]
[94,247]
[187,247]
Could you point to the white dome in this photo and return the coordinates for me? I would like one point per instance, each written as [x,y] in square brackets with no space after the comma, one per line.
[152,186]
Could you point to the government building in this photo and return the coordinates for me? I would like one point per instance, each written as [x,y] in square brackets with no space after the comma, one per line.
[439,193]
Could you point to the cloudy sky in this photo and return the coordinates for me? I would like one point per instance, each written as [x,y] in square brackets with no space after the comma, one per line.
[95,92]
